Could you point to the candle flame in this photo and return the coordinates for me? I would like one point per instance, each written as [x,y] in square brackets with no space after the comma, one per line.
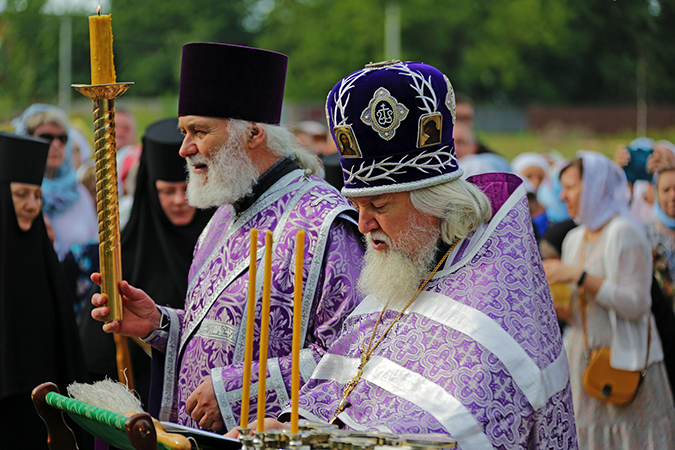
[98,10]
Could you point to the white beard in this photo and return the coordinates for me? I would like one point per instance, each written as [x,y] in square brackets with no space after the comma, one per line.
[394,275]
[230,176]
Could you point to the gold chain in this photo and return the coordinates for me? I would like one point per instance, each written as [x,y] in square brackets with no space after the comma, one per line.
[366,352]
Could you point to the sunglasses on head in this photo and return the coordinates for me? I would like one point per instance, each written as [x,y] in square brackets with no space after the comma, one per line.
[50,137]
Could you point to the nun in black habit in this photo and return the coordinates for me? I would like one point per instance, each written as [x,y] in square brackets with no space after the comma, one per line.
[156,253]
[38,333]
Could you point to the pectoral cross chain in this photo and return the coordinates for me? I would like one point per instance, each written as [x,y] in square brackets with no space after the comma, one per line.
[366,352]
[365,356]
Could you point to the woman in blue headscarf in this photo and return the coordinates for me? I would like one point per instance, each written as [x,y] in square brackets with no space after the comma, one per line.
[661,236]
[67,204]
[661,232]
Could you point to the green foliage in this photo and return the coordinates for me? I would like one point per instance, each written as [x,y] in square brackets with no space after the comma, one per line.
[511,51]
[29,54]
[515,51]
[149,36]
[147,41]
[325,40]
[499,58]
[482,46]
[28,59]
[611,37]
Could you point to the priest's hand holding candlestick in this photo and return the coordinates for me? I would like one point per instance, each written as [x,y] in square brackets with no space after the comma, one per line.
[141,315]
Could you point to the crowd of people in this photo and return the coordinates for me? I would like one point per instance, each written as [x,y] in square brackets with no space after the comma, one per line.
[445,289]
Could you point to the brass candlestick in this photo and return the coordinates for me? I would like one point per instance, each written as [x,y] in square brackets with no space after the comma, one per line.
[107,198]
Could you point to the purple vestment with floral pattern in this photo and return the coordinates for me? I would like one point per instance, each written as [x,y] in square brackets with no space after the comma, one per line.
[478,355]
[207,337]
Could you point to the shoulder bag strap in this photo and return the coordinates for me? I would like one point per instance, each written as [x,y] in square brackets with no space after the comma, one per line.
[582,301]
[582,292]
[649,343]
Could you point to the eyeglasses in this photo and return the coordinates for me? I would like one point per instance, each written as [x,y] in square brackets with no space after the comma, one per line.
[50,137]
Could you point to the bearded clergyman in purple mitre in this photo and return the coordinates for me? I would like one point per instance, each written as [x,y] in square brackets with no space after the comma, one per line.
[457,333]
[259,176]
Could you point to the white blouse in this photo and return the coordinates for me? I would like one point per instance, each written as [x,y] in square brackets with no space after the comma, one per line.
[622,258]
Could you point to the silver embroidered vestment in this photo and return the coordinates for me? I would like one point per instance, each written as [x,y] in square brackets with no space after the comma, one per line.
[478,355]
[207,337]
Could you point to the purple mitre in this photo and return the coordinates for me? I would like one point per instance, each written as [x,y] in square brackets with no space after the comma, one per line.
[231,81]
[392,123]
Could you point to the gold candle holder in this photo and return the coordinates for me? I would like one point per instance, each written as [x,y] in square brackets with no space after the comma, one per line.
[107,198]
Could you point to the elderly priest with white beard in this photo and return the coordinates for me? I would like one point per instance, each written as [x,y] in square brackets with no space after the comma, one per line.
[240,160]
[457,334]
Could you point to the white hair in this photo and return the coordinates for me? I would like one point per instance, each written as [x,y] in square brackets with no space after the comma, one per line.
[460,205]
[231,174]
[281,142]
[413,254]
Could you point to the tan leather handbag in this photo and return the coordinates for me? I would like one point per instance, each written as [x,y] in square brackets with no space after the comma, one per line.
[600,379]
[608,384]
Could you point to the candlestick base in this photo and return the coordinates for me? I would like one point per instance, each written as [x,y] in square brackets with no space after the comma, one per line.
[245,438]
[259,440]
[298,441]
[102,91]
[276,439]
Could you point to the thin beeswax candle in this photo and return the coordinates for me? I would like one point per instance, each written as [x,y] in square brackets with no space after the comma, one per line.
[264,332]
[297,331]
[250,324]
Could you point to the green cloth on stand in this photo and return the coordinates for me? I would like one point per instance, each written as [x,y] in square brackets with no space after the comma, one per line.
[105,425]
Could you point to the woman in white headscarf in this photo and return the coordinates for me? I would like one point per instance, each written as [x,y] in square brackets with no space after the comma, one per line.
[532,166]
[533,169]
[608,254]
[66,203]
[536,168]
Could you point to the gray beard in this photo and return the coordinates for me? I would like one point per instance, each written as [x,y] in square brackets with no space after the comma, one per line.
[230,177]
[394,275]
